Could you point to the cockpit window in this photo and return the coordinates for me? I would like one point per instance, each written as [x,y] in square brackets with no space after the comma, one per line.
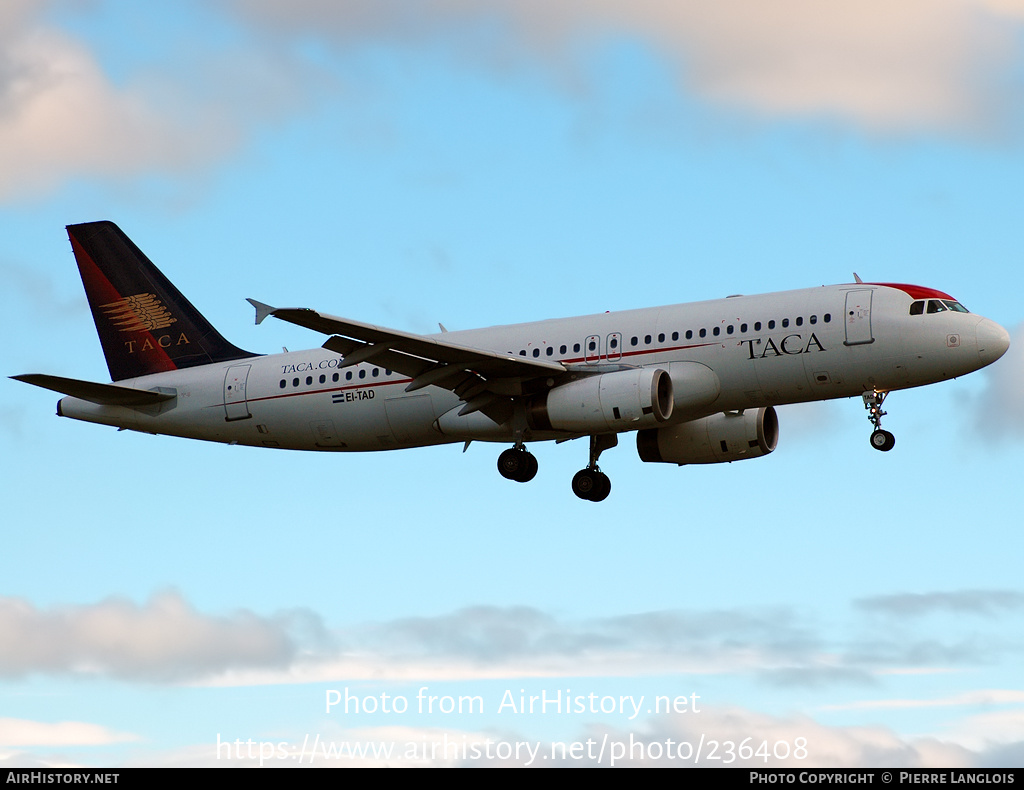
[936,306]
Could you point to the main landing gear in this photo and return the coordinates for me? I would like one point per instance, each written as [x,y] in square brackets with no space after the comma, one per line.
[591,484]
[517,463]
[880,440]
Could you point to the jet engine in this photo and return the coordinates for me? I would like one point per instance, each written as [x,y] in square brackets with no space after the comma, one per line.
[620,401]
[730,436]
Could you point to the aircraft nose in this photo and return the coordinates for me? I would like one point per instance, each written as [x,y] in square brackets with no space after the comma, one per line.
[993,341]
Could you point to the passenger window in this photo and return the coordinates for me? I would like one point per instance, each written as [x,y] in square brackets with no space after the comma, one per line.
[661,338]
[785,323]
[550,350]
[689,334]
[675,335]
[799,321]
[716,331]
[703,333]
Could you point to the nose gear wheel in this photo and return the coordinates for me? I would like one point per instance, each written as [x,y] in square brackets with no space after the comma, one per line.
[880,440]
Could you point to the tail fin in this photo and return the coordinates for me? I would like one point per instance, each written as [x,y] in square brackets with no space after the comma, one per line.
[144,323]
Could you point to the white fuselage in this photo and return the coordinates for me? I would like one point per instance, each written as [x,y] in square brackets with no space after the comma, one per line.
[813,344]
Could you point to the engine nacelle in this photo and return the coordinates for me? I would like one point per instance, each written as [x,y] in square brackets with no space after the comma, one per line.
[730,436]
[625,400]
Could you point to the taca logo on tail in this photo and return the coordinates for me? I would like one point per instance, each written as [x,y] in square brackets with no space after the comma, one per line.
[138,313]
[145,324]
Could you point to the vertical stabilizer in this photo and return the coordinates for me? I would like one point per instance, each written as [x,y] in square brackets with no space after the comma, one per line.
[144,323]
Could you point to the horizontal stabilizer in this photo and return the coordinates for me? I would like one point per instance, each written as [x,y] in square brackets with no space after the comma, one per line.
[103,394]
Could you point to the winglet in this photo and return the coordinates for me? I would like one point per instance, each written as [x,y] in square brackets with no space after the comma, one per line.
[262,310]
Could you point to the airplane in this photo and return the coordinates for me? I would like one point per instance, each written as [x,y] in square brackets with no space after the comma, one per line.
[697,382]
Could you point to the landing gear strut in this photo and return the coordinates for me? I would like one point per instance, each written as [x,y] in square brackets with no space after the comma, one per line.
[518,464]
[591,483]
[880,440]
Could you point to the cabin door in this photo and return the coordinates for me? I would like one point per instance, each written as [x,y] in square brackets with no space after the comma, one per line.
[858,318]
[235,405]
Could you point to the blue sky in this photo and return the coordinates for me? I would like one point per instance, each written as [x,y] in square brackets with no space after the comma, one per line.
[489,162]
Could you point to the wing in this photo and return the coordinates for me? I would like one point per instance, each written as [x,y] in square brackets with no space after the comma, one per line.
[483,378]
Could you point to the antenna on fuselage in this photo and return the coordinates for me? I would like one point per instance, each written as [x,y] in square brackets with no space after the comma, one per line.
[856,278]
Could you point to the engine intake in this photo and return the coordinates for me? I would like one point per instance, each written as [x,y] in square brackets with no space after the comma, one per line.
[730,436]
[621,401]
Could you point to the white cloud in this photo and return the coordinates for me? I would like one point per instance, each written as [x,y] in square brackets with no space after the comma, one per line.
[164,641]
[942,65]
[61,116]
[24,732]
[1000,408]
[919,64]
[982,602]
[795,742]
[168,641]
[825,746]
[971,698]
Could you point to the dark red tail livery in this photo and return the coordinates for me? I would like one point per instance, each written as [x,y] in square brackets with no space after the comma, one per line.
[144,323]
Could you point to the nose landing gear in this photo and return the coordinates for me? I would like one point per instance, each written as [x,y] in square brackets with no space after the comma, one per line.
[880,440]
